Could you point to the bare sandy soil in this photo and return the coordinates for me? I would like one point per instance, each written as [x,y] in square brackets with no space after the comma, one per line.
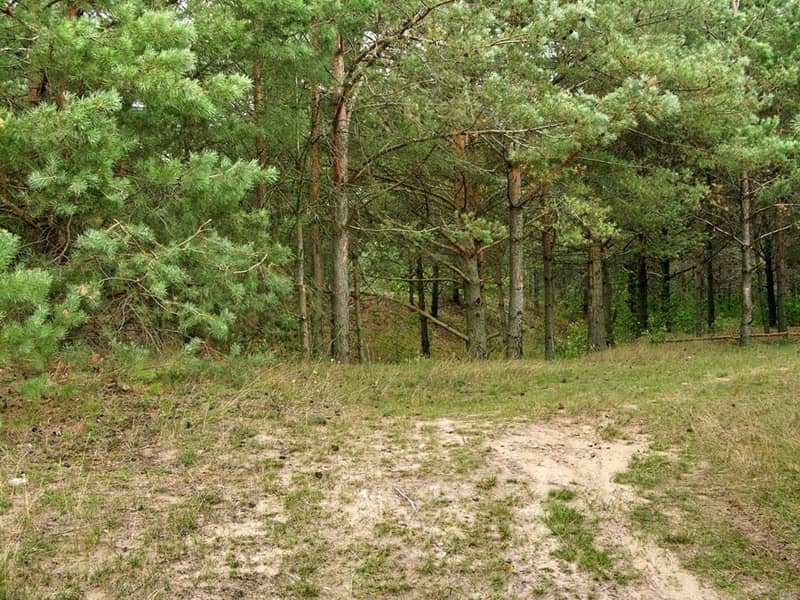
[382,509]
[427,487]
[569,454]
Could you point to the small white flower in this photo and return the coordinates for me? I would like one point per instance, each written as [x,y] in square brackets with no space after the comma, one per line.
[18,481]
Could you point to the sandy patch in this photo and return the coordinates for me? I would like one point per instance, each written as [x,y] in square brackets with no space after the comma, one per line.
[570,454]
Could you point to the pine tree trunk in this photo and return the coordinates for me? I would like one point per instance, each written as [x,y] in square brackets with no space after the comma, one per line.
[359,327]
[315,170]
[643,312]
[549,288]
[411,283]
[516,268]
[762,301]
[632,299]
[711,312]
[468,196]
[302,302]
[501,295]
[666,293]
[424,337]
[746,331]
[477,339]
[697,272]
[341,240]
[596,304]
[608,302]
[456,295]
[780,267]
[435,292]
[769,271]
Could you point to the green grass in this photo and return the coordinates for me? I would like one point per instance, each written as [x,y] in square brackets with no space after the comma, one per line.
[576,538]
[177,445]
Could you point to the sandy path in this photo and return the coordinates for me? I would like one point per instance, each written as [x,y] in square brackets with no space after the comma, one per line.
[571,454]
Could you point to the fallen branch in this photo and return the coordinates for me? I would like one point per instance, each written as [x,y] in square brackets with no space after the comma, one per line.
[711,338]
[402,494]
[425,314]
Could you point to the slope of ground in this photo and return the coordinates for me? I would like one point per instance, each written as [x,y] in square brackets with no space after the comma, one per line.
[642,472]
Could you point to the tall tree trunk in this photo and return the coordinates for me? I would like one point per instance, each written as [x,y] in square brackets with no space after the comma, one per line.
[608,302]
[411,283]
[633,296]
[643,312]
[697,272]
[302,302]
[666,293]
[769,271]
[516,268]
[596,304]
[762,301]
[315,170]
[535,291]
[424,337]
[359,327]
[549,287]
[435,291]
[711,301]
[341,240]
[501,294]
[477,338]
[780,267]
[456,295]
[467,194]
[746,332]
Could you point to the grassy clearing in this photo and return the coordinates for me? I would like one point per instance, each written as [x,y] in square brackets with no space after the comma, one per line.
[165,479]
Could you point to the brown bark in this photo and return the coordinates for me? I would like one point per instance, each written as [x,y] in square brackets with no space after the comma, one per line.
[315,205]
[535,291]
[762,304]
[341,239]
[501,294]
[516,267]
[477,342]
[424,337]
[456,294]
[746,330]
[359,327]
[302,301]
[642,309]
[769,272]
[608,304]
[411,283]
[549,288]
[711,304]
[780,267]
[38,87]
[697,273]
[597,309]
[435,291]
[666,293]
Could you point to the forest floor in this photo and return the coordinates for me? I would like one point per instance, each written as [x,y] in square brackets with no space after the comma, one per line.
[642,472]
